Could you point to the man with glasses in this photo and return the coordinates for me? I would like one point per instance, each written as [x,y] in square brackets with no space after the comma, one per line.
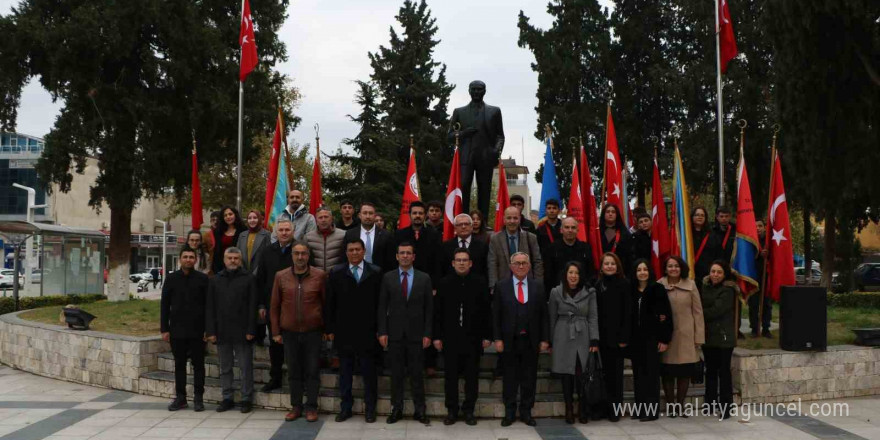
[462,329]
[478,249]
[405,319]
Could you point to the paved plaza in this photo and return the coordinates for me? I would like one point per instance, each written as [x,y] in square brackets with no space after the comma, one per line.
[35,408]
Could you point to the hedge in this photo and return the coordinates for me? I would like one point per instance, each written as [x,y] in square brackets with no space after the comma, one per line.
[7,304]
[861,299]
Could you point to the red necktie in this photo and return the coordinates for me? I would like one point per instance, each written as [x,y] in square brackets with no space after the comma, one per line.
[417,235]
[404,286]
[520,295]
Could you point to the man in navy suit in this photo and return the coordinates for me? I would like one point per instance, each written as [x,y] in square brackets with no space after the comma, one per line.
[405,319]
[521,329]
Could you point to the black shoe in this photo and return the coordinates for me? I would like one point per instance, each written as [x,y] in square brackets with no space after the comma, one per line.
[225,405]
[450,419]
[755,334]
[270,386]
[177,404]
[396,415]
[648,418]
[507,421]
[370,416]
[421,417]
[470,419]
[198,404]
[343,416]
[767,334]
[528,420]
[247,407]
[614,418]
[740,335]
[635,417]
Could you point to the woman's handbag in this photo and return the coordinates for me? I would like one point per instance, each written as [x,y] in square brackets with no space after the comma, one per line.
[594,380]
[699,371]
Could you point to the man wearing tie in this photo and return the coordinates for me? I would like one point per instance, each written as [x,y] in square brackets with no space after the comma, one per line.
[352,299]
[479,250]
[521,330]
[377,241]
[505,243]
[405,319]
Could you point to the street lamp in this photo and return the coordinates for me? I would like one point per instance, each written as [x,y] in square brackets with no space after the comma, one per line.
[29,247]
[164,241]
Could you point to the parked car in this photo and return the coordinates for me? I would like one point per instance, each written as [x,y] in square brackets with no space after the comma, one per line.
[36,276]
[10,273]
[813,279]
[5,280]
[867,276]
[135,277]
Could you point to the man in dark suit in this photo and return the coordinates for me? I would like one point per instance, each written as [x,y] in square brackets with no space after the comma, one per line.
[568,248]
[461,330]
[521,330]
[275,257]
[505,243]
[479,250]
[642,244]
[378,242]
[352,299]
[481,141]
[405,318]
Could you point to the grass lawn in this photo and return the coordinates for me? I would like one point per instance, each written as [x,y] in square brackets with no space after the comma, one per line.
[133,318]
[840,321]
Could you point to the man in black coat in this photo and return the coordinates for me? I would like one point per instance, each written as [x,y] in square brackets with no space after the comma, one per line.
[352,300]
[275,257]
[550,231]
[379,242]
[182,323]
[642,244]
[566,249]
[521,329]
[426,241]
[724,232]
[479,250]
[405,319]
[231,322]
[461,330]
[518,202]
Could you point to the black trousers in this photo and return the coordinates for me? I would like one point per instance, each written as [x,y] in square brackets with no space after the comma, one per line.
[276,353]
[520,374]
[718,377]
[302,351]
[194,349]
[405,355]
[463,363]
[484,183]
[572,382]
[646,375]
[367,363]
[754,306]
[612,362]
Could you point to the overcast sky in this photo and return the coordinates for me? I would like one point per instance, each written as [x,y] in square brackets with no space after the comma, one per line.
[328,41]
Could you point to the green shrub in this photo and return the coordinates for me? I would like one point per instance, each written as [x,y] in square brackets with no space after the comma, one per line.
[862,299]
[7,304]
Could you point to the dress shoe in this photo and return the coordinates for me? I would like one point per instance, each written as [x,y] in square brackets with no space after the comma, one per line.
[225,405]
[198,404]
[755,334]
[246,407]
[528,420]
[470,419]
[396,415]
[450,419]
[569,413]
[293,414]
[370,416]
[343,416]
[177,404]
[506,421]
[431,371]
[740,335]
[271,386]
[648,418]
[312,415]
[614,418]
[767,334]
[421,417]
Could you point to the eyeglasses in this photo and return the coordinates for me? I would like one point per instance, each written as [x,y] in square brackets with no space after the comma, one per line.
[458,225]
[520,263]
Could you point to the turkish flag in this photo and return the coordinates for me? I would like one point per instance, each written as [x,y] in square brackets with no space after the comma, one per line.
[613,167]
[576,203]
[503,200]
[780,257]
[247,42]
[411,191]
[591,217]
[196,207]
[316,199]
[660,246]
[727,42]
[453,198]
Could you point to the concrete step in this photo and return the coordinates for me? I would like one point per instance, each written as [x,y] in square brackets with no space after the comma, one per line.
[489,405]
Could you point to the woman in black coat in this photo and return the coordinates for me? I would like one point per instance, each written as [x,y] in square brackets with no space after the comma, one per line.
[651,332]
[616,237]
[226,235]
[614,306]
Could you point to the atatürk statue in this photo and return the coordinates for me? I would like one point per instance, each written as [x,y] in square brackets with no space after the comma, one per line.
[481,141]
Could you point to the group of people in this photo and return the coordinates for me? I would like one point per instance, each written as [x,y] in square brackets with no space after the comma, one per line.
[399,298]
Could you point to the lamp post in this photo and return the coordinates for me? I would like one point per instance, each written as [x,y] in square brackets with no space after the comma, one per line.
[164,243]
[29,247]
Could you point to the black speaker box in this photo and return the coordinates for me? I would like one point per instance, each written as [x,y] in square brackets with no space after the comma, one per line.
[803,318]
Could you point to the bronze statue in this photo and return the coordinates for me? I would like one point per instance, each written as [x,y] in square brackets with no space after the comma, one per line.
[481,143]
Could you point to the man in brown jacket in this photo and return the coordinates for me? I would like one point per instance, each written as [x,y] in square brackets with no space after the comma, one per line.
[297,323]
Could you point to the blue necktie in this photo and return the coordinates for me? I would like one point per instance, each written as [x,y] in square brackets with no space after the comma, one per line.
[354,271]
[369,254]
[512,246]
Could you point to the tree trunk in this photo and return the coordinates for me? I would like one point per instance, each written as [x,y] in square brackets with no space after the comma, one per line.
[808,241]
[828,256]
[119,254]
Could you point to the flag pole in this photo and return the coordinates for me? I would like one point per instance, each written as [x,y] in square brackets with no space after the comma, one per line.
[776,128]
[240,119]
[721,194]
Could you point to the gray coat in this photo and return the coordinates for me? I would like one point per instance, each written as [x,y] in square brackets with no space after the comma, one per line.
[574,323]
[253,261]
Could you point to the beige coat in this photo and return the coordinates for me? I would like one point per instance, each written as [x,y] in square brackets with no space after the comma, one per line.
[687,319]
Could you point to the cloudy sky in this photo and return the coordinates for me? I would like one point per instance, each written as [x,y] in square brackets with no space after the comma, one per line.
[328,43]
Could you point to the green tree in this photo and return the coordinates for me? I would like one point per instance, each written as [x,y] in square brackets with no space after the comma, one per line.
[827,96]
[571,59]
[136,79]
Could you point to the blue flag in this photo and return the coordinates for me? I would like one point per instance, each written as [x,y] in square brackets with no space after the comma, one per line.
[549,184]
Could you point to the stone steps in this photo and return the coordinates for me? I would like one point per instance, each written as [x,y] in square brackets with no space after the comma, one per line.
[489,405]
